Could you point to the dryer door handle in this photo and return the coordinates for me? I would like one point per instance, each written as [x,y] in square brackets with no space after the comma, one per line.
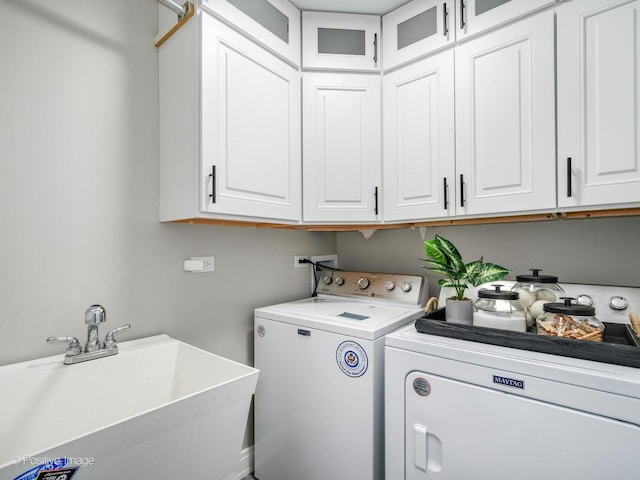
[427,449]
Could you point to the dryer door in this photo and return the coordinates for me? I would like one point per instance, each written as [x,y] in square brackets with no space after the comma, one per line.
[456,430]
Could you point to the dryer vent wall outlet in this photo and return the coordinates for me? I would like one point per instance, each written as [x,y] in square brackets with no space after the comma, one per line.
[326,260]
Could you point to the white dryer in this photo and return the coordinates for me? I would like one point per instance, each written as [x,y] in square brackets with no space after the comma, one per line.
[319,410]
[460,408]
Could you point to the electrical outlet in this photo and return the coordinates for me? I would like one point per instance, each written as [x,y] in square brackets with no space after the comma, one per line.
[200,264]
[297,258]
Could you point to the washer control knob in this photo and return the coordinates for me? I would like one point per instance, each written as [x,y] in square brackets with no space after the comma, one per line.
[339,281]
[584,300]
[405,287]
[389,285]
[327,279]
[363,283]
[618,303]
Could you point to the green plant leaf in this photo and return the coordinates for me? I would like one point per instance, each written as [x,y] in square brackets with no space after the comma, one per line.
[434,252]
[450,252]
[443,282]
[474,268]
[490,272]
[441,269]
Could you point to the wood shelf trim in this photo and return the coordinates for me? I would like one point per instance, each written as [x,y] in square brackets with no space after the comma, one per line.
[539,217]
[177,26]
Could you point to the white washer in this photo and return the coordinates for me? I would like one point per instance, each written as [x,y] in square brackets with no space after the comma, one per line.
[459,409]
[319,410]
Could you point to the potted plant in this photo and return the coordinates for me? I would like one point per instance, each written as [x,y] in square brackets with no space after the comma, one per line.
[445,259]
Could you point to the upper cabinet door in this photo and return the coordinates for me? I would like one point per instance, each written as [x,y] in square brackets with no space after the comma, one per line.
[417,29]
[250,130]
[598,99]
[341,41]
[341,144]
[419,140]
[475,16]
[505,119]
[273,23]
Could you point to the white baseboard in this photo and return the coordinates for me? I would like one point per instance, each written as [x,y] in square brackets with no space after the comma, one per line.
[245,465]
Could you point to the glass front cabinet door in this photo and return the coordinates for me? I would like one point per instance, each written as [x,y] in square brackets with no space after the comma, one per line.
[475,16]
[338,41]
[417,29]
[274,24]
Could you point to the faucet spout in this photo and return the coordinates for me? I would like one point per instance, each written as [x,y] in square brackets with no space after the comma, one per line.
[94,316]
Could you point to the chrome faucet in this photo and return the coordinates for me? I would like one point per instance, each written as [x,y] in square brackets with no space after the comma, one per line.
[93,317]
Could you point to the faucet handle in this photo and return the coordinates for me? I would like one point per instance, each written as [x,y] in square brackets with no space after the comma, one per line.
[110,339]
[95,314]
[74,344]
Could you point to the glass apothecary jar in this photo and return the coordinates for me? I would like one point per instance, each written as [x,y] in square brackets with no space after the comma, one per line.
[499,309]
[570,320]
[535,290]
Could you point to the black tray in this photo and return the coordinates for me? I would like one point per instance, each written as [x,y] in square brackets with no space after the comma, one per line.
[619,347]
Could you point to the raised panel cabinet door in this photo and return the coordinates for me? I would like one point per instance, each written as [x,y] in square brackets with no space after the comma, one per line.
[419,140]
[341,41]
[416,29]
[274,24]
[476,16]
[341,147]
[505,120]
[598,98]
[250,132]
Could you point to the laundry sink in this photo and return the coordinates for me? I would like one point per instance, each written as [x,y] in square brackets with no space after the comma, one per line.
[160,408]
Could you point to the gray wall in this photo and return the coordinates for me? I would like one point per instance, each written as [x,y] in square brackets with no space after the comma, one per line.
[599,251]
[78,189]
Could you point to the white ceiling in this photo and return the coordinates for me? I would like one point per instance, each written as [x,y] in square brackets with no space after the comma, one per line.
[378,7]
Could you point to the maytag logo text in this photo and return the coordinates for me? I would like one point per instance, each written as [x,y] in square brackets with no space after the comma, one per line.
[509,382]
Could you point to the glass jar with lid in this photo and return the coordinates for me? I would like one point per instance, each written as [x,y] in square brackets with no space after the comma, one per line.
[499,309]
[570,320]
[535,290]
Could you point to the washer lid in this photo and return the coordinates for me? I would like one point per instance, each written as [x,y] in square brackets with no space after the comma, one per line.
[333,314]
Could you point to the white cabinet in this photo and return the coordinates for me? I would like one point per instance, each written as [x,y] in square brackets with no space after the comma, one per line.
[422,27]
[505,119]
[598,98]
[475,16]
[419,140]
[341,147]
[275,24]
[229,127]
[340,41]
[416,29]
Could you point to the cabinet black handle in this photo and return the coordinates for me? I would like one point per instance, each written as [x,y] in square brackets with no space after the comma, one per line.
[445,19]
[375,196]
[213,184]
[461,190]
[375,48]
[446,194]
[462,15]
[569,177]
